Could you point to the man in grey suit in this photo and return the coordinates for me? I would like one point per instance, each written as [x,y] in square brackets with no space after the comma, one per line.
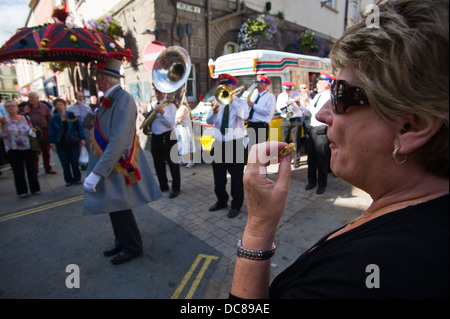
[118,176]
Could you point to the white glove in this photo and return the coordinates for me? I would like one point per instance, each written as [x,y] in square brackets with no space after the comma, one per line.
[90,182]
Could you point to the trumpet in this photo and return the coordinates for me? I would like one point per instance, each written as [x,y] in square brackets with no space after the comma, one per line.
[294,100]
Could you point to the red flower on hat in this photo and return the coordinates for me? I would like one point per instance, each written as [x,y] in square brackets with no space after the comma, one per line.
[106,102]
[101,66]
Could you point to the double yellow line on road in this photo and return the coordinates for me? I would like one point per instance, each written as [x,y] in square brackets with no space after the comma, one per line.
[196,282]
[41,208]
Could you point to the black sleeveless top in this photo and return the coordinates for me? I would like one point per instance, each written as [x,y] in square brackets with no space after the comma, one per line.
[403,254]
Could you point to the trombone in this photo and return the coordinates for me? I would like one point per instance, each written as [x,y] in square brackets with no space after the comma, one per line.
[223,95]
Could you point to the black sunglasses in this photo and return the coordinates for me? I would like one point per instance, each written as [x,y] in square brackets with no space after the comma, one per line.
[344,95]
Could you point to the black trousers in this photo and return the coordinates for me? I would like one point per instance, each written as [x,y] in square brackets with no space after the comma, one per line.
[256,137]
[68,156]
[235,167]
[319,154]
[160,148]
[292,128]
[21,161]
[126,231]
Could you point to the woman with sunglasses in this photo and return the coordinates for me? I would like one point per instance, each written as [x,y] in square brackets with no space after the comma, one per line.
[389,135]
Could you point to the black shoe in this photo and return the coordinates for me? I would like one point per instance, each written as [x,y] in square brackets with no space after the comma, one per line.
[164,189]
[173,194]
[233,212]
[310,186]
[320,190]
[113,250]
[124,257]
[217,206]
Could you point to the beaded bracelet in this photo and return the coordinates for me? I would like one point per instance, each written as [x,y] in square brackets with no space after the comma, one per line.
[254,254]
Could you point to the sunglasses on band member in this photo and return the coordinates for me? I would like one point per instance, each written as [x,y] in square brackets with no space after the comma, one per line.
[344,95]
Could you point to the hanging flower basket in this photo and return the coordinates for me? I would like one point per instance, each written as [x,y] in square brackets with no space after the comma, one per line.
[106,25]
[308,43]
[255,29]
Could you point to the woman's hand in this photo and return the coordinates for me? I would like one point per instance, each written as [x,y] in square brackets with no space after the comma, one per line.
[266,199]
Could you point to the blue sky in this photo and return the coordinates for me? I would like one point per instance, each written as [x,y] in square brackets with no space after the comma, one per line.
[13,15]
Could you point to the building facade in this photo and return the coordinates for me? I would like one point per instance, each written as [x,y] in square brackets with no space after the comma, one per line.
[8,83]
[205,28]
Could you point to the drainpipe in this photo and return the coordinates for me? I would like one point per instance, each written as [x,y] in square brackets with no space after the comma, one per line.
[175,17]
[346,15]
[208,35]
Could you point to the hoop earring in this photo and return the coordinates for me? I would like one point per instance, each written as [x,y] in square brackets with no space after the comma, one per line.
[394,157]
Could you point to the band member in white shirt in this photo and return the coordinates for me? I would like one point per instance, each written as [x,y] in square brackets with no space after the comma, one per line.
[228,149]
[262,107]
[161,142]
[288,104]
[317,144]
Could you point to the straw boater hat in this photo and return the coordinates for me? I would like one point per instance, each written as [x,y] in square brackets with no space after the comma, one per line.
[110,67]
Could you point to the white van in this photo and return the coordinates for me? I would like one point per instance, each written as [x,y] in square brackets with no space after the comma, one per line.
[277,66]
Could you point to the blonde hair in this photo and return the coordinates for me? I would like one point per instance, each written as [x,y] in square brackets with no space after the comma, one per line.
[402,65]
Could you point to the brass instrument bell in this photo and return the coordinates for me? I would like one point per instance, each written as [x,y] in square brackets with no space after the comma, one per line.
[170,73]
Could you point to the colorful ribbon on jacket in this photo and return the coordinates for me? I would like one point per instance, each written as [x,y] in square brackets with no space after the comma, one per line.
[125,166]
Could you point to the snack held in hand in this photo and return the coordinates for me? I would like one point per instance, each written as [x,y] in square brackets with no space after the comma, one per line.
[288,149]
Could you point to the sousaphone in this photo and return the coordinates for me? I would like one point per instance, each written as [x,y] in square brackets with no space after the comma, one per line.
[170,73]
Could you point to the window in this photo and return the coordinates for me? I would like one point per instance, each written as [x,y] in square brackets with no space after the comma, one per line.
[230,47]
[354,10]
[331,4]
[191,86]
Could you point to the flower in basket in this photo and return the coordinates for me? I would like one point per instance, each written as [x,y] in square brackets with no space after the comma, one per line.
[106,102]
[255,29]
[107,25]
